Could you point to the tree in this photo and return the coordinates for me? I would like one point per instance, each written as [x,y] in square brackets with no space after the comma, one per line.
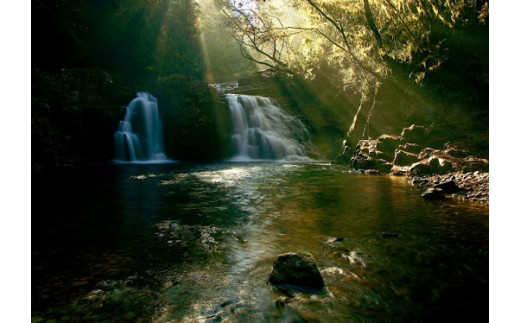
[361,44]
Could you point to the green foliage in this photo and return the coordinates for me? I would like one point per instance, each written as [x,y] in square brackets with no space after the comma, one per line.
[405,60]
[363,42]
[135,40]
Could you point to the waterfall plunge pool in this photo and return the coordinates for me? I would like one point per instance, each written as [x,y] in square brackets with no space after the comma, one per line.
[195,243]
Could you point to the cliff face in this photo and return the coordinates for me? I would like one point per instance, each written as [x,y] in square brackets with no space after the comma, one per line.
[73,116]
[76,112]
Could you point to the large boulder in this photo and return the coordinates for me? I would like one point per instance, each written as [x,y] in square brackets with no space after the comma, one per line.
[296,269]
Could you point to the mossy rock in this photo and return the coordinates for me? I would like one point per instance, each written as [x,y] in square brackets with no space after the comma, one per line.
[296,269]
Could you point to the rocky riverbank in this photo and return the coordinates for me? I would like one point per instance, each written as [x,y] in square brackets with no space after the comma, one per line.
[442,170]
[463,186]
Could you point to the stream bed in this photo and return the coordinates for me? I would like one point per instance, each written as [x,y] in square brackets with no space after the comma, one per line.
[195,243]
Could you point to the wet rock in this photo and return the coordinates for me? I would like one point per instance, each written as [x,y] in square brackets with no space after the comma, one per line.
[404,158]
[433,194]
[400,170]
[296,269]
[370,171]
[448,187]
[363,162]
[421,168]
[419,181]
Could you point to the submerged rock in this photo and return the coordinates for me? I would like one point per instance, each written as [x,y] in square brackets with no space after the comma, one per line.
[296,269]
[433,194]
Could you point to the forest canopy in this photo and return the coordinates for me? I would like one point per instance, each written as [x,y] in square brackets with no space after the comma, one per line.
[361,43]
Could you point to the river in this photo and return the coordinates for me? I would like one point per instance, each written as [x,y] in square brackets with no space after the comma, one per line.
[195,243]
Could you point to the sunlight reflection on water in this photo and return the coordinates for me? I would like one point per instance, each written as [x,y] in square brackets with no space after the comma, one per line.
[200,242]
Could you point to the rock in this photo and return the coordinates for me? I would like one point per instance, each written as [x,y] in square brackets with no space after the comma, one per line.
[403,158]
[440,165]
[414,133]
[433,194]
[419,181]
[384,167]
[457,153]
[410,147]
[448,187]
[296,269]
[428,152]
[387,145]
[471,164]
[363,162]
[368,148]
[420,169]
[370,172]
[400,170]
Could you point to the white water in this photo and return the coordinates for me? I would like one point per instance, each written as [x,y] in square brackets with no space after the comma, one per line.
[262,130]
[139,137]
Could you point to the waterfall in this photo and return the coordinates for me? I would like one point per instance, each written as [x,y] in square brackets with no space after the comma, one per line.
[262,130]
[139,137]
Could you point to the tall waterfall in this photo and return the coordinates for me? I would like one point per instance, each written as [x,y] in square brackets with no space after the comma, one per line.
[140,137]
[262,130]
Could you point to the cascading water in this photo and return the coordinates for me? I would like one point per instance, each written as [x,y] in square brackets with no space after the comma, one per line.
[139,137]
[262,130]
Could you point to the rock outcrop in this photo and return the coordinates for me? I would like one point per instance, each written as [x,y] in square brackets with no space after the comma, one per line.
[409,155]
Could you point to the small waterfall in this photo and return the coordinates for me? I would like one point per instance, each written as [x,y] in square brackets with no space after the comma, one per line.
[262,130]
[139,137]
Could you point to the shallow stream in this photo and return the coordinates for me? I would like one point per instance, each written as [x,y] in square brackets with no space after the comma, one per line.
[195,243]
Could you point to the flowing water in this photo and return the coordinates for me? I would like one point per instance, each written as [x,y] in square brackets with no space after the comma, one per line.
[196,243]
[263,130]
[139,137]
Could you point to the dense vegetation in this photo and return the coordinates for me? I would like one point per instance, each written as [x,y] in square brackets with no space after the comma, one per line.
[420,61]
[348,68]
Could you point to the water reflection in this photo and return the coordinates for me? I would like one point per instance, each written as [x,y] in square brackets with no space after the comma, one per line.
[198,242]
